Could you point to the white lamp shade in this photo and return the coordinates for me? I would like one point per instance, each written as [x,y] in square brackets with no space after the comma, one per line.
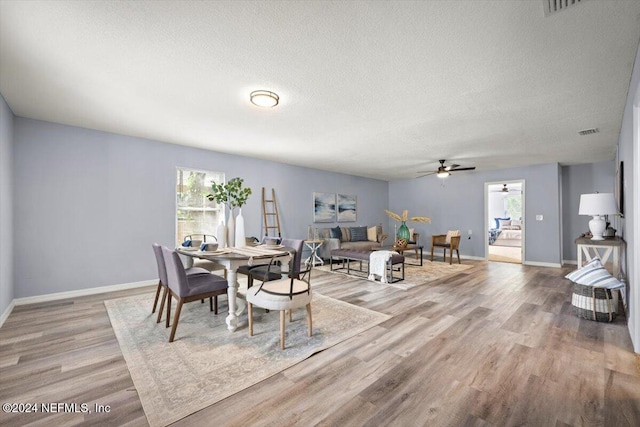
[597,204]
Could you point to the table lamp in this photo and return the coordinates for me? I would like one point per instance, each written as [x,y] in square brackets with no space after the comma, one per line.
[597,205]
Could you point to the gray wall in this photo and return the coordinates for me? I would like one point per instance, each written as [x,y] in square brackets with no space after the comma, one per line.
[577,180]
[627,225]
[88,204]
[6,205]
[458,203]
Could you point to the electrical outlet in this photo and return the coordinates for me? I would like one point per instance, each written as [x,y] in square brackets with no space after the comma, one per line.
[539,217]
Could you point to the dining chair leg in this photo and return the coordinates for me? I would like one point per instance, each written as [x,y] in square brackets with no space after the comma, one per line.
[211,304]
[309,321]
[431,253]
[282,315]
[290,315]
[458,253]
[445,255]
[450,256]
[155,301]
[250,316]
[215,304]
[164,298]
[168,308]
[176,318]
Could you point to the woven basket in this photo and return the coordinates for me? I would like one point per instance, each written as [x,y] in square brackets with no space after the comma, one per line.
[593,303]
[401,243]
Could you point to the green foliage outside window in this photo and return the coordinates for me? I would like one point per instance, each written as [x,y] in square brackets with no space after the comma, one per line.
[513,206]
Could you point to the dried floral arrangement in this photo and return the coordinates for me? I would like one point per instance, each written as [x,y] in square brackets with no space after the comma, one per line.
[405,217]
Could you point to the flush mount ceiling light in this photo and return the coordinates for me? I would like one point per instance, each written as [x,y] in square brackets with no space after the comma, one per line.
[442,173]
[264,98]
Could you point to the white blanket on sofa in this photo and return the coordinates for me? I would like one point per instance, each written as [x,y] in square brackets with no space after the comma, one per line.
[378,264]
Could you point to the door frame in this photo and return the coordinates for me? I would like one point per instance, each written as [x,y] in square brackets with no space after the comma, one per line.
[486,215]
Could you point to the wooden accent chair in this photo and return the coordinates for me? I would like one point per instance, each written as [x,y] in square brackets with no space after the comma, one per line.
[282,295]
[189,288]
[162,279]
[450,241]
[414,240]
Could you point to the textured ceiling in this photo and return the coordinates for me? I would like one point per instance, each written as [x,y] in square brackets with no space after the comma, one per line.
[376,89]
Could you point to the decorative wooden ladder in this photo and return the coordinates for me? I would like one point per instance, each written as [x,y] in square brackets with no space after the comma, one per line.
[269,211]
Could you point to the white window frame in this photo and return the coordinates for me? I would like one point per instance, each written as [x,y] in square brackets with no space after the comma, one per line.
[217,208]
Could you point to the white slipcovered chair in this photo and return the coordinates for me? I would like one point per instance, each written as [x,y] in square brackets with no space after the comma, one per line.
[282,295]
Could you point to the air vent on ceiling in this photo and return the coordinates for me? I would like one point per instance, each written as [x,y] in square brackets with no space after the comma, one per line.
[588,131]
[555,6]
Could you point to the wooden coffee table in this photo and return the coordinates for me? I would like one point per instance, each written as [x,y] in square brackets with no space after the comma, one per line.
[401,250]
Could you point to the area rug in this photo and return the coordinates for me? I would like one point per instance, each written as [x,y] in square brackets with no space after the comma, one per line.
[414,275]
[206,362]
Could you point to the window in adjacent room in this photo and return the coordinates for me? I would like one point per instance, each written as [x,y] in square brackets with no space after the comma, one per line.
[195,214]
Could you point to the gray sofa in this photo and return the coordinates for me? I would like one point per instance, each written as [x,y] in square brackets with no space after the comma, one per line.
[350,239]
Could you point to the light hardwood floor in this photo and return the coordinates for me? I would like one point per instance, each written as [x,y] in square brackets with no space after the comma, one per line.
[494,345]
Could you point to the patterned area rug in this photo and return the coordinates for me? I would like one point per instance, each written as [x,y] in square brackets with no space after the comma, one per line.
[414,275]
[206,362]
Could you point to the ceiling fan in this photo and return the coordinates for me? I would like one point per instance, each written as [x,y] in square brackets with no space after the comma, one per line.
[506,190]
[444,171]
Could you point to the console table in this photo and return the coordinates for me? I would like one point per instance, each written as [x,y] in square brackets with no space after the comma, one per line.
[603,249]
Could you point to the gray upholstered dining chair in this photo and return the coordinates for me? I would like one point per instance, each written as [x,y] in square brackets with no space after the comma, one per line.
[197,241]
[188,288]
[282,295]
[162,279]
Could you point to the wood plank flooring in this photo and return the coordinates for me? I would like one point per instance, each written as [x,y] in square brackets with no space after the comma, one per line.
[495,345]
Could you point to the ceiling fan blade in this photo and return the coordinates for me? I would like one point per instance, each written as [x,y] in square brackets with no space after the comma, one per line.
[462,169]
[452,166]
[426,174]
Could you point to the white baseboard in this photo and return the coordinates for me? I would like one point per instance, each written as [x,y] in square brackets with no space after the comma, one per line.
[82,292]
[477,258]
[543,264]
[6,313]
[570,261]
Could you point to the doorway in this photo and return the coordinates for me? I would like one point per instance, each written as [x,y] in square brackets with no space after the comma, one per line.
[504,221]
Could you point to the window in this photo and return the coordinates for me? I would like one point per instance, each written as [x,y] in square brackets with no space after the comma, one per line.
[195,214]
[513,206]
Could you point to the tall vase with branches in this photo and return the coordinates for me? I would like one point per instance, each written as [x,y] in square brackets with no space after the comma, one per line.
[402,235]
[232,195]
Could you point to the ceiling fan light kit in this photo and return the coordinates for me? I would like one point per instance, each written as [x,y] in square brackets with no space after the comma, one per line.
[443,174]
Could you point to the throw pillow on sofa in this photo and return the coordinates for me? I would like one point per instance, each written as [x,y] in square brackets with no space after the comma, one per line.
[346,235]
[335,233]
[372,234]
[358,234]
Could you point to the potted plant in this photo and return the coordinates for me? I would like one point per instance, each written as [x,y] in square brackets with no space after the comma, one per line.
[232,195]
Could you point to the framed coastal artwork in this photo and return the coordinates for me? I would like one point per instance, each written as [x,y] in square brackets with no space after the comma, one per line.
[324,207]
[346,208]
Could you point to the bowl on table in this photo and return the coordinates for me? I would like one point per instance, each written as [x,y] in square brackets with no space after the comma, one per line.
[209,247]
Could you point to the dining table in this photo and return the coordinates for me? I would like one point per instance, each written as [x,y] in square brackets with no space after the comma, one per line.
[233,258]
